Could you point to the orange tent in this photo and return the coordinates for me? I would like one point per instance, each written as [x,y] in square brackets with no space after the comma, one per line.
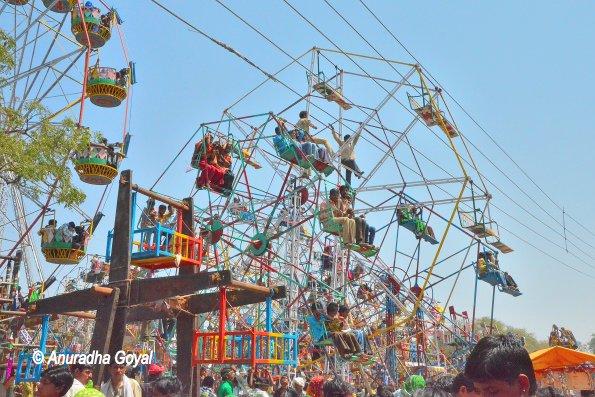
[577,368]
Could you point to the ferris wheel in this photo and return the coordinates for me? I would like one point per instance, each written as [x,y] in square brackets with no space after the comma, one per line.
[268,189]
[57,75]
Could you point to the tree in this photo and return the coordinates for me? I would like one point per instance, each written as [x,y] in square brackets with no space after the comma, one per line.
[531,342]
[34,149]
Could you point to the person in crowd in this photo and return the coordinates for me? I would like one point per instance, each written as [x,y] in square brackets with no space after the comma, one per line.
[499,365]
[119,385]
[226,386]
[207,385]
[411,384]
[347,153]
[431,392]
[337,387]
[55,382]
[331,210]
[284,390]
[65,233]
[262,387]
[167,386]
[155,371]
[47,233]
[463,386]
[298,384]
[442,382]
[82,374]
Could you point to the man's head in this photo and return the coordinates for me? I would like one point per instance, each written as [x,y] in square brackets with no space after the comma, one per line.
[463,386]
[55,382]
[167,386]
[443,382]
[208,381]
[333,194]
[332,309]
[303,114]
[343,310]
[116,371]
[52,222]
[284,381]
[162,209]
[346,137]
[336,388]
[344,191]
[82,372]
[228,374]
[499,365]
[71,225]
[298,384]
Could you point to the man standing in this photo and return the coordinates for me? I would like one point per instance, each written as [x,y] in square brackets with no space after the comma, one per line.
[119,385]
[226,386]
[347,153]
[82,374]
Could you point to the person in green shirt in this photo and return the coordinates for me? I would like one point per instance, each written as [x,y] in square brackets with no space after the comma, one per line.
[226,387]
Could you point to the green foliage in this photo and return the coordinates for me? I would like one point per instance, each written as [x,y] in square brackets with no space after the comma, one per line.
[34,149]
[6,52]
[531,342]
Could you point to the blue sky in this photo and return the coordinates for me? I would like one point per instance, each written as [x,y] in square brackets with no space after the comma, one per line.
[522,69]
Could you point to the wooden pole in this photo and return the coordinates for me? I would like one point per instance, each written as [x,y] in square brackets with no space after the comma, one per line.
[164,199]
[185,322]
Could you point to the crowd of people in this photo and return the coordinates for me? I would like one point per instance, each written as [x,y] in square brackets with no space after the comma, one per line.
[498,366]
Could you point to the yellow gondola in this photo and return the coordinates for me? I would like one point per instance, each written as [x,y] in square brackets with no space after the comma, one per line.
[61,6]
[106,87]
[62,253]
[95,171]
[98,27]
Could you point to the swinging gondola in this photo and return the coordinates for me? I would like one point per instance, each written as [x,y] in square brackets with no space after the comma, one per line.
[107,87]
[95,25]
[99,164]
[61,6]
[328,92]
[70,252]
[410,218]
[213,160]
[17,2]
[430,114]
[479,228]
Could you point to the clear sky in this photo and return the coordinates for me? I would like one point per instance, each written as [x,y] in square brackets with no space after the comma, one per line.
[522,69]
